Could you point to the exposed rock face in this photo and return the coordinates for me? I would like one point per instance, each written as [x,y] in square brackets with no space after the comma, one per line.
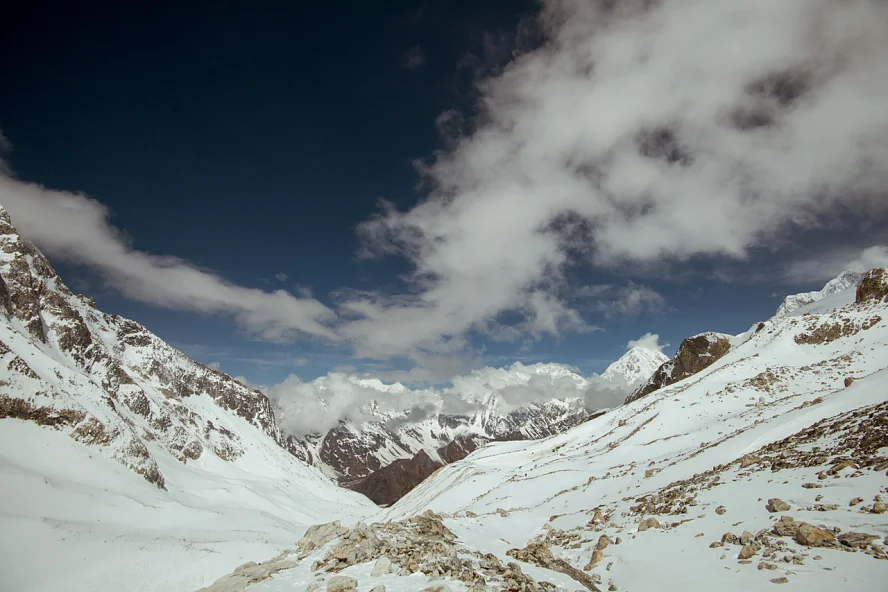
[391,483]
[105,380]
[694,354]
[873,286]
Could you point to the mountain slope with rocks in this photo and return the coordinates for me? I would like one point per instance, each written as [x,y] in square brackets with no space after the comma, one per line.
[768,466]
[117,450]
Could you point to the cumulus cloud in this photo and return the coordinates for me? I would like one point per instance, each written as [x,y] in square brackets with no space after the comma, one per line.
[649,341]
[415,58]
[72,227]
[637,133]
[831,264]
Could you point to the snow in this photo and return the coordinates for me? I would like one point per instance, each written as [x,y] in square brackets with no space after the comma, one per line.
[75,520]
[718,409]
[839,288]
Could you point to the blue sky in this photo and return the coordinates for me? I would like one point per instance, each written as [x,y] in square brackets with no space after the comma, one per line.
[254,146]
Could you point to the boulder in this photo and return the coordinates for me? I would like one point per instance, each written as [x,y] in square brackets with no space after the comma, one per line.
[341,584]
[786,526]
[775,504]
[647,523]
[319,535]
[857,540]
[812,536]
[382,567]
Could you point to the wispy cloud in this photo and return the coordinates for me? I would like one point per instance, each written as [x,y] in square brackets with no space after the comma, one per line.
[72,227]
[415,58]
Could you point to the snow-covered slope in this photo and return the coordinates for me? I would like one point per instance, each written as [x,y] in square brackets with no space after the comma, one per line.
[842,286]
[122,460]
[796,410]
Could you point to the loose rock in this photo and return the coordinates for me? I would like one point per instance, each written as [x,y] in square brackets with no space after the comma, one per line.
[341,584]
[777,505]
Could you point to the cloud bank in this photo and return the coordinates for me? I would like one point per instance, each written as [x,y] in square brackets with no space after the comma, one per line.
[638,133]
[319,405]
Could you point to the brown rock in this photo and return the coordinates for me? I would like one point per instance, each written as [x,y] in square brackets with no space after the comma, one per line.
[857,540]
[778,505]
[721,510]
[879,508]
[647,523]
[748,551]
[786,526]
[812,536]
[873,286]
[694,354]
[848,381]
[779,581]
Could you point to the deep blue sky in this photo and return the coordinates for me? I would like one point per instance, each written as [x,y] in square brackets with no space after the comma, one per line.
[252,142]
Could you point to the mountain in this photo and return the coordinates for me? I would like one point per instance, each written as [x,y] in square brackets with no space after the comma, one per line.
[766,466]
[794,303]
[119,453]
[352,451]
[634,367]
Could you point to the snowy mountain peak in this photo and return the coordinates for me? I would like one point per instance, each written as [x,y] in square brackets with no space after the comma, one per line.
[845,281]
[635,366]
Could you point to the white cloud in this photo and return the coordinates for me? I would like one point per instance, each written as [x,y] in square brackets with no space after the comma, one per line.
[415,58]
[639,133]
[649,341]
[214,365]
[830,264]
[319,405]
[72,227]
[280,276]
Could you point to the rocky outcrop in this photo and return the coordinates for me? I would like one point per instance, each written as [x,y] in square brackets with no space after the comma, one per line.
[694,354]
[105,380]
[873,286]
[540,555]
[423,544]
